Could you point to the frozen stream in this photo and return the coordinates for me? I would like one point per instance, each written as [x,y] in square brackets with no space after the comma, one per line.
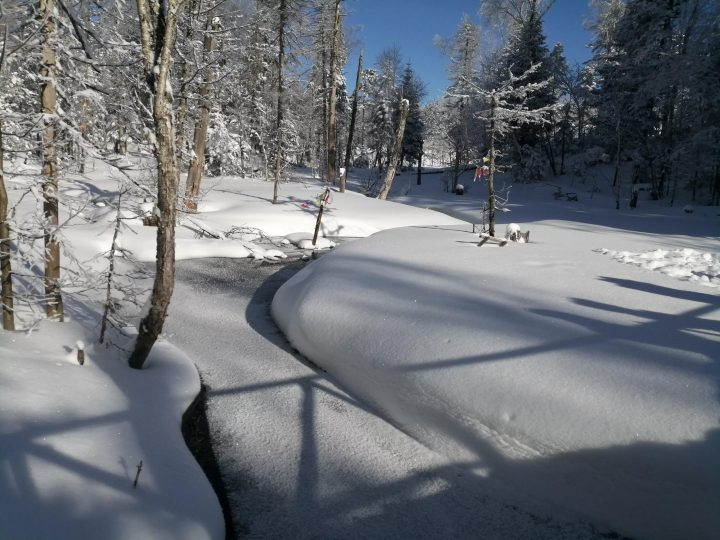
[300,457]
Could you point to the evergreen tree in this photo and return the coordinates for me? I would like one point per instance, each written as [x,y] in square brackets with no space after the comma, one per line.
[413,90]
[461,103]
[653,61]
[526,48]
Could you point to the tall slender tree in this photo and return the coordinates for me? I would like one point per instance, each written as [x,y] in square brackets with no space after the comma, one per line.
[279,112]
[351,129]
[48,99]
[6,289]
[158,24]
[197,161]
[508,107]
[332,100]
[394,158]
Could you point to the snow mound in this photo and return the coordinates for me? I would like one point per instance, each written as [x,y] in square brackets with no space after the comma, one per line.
[688,264]
[74,437]
[553,379]
[304,241]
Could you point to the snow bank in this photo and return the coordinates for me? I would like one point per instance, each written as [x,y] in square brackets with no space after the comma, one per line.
[73,437]
[560,375]
[685,263]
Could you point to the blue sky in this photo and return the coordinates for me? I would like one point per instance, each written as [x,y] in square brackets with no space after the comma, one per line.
[412,24]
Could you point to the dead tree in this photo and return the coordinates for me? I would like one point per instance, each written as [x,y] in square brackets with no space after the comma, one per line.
[396,151]
[351,131]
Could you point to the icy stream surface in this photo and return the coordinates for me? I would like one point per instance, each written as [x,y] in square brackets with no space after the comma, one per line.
[300,457]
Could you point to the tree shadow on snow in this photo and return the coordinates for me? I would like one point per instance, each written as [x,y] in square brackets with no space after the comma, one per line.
[477,497]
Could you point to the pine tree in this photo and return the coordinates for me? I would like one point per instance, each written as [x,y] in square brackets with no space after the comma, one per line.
[413,90]
[509,106]
[526,48]
[461,105]
[653,63]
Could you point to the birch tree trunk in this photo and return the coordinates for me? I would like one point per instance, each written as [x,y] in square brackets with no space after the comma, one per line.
[394,158]
[6,289]
[353,115]
[48,103]
[157,30]
[197,164]
[332,113]
[280,104]
[5,265]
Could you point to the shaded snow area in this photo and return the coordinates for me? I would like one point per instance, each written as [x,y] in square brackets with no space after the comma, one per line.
[689,264]
[72,438]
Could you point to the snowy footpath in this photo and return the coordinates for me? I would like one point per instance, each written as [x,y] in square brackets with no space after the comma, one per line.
[303,458]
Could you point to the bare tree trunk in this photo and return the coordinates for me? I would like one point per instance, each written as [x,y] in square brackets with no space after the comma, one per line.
[550,152]
[322,163]
[456,167]
[182,109]
[564,137]
[715,195]
[197,164]
[7,297]
[419,168]
[111,271]
[48,99]
[491,177]
[616,176]
[157,29]
[332,112]
[353,115]
[397,148]
[280,104]
[84,128]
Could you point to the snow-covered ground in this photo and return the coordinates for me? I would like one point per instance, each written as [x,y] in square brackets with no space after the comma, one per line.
[74,435]
[547,367]
[550,369]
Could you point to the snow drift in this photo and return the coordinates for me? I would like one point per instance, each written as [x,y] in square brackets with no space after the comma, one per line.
[596,391]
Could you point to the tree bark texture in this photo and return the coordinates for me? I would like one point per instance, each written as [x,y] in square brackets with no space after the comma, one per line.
[351,131]
[48,103]
[332,113]
[6,298]
[396,150]
[197,164]
[160,27]
[280,102]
